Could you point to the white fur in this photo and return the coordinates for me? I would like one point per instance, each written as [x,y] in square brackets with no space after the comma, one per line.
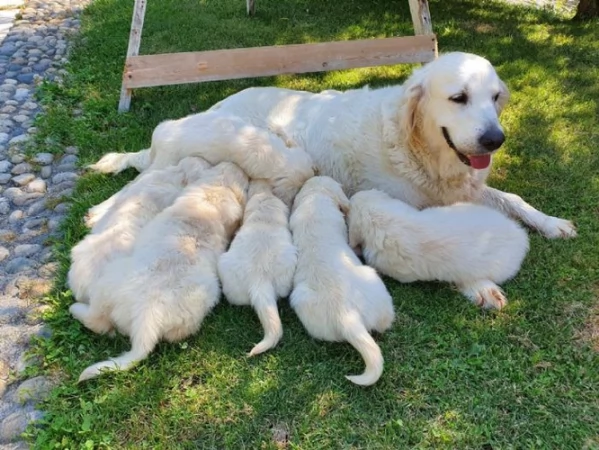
[219,137]
[259,266]
[334,295]
[388,139]
[169,284]
[470,245]
[117,221]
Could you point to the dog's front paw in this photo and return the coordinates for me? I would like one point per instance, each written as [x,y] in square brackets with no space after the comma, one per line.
[554,227]
[485,294]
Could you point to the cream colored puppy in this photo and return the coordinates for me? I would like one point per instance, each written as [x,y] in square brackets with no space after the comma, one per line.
[117,221]
[334,295]
[470,245]
[259,266]
[217,137]
[169,284]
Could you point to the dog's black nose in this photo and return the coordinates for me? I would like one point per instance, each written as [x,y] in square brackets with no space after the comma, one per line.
[492,139]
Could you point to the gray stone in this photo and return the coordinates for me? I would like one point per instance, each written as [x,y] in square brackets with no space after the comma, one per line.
[15,216]
[19,140]
[61,208]
[31,106]
[24,199]
[4,206]
[24,179]
[18,264]
[27,249]
[44,158]
[64,176]
[32,224]
[5,178]
[72,150]
[4,138]
[37,185]
[5,166]
[13,426]
[26,78]
[21,168]
[12,193]
[4,253]
[17,158]
[33,390]
[48,270]
[46,172]
[8,109]
[69,159]
[20,118]
[7,235]
[21,94]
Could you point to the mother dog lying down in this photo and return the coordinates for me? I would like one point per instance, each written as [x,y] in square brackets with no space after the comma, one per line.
[429,142]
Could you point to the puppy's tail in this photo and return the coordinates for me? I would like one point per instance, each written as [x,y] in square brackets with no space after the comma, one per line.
[356,334]
[264,301]
[117,162]
[144,337]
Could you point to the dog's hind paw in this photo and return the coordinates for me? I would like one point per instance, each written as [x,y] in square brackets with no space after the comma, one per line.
[554,227]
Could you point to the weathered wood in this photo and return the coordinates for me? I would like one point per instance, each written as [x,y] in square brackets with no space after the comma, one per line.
[193,67]
[251,7]
[137,23]
[421,17]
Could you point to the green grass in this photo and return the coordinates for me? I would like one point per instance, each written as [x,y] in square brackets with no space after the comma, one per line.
[455,376]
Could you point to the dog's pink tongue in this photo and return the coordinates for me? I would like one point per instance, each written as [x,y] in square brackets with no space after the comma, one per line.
[480,162]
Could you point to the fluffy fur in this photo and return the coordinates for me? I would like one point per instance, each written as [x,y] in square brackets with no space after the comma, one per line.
[219,137]
[470,245]
[334,295]
[117,221]
[391,139]
[169,284]
[259,266]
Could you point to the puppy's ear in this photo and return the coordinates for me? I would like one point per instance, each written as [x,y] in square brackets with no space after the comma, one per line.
[504,96]
[409,119]
[343,203]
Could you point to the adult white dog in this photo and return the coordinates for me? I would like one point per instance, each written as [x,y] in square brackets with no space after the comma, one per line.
[467,244]
[258,268]
[429,142]
[219,137]
[169,284]
[335,296]
[116,222]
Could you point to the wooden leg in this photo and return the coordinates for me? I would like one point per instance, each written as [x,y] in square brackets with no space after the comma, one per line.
[251,7]
[421,17]
[137,23]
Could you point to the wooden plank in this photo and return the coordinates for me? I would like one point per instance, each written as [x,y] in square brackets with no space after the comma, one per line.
[193,67]
[421,17]
[137,23]
[251,7]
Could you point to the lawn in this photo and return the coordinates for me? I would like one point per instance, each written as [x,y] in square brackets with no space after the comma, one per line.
[455,376]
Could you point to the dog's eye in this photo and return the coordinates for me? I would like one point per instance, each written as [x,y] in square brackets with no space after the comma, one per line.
[496,97]
[459,98]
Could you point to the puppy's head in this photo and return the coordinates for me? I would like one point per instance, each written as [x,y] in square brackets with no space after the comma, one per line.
[454,103]
[298,168]
[258,186]
[235,179]
[324,186]
[193,167]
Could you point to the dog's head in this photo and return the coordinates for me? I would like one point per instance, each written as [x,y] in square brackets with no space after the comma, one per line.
[324,186]
[454,103]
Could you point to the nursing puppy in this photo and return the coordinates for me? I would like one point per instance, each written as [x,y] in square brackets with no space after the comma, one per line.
[470,245]
[117,221]
[218,137]
[334,295]
[169,284]
[259,266]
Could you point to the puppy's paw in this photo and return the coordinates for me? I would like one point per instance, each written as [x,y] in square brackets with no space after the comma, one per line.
[554,227]
[485,294]
[109,163]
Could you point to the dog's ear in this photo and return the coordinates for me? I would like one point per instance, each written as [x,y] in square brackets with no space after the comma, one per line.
[504,96]
[409,118]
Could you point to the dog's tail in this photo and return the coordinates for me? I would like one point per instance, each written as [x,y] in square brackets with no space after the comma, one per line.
[117,162]
[264,301]
[144,337]
[356,334]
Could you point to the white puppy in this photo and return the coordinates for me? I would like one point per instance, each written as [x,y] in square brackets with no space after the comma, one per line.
[470,245]
[218,137]
[170,283]
[117,221]
[335,296]
[260,263]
